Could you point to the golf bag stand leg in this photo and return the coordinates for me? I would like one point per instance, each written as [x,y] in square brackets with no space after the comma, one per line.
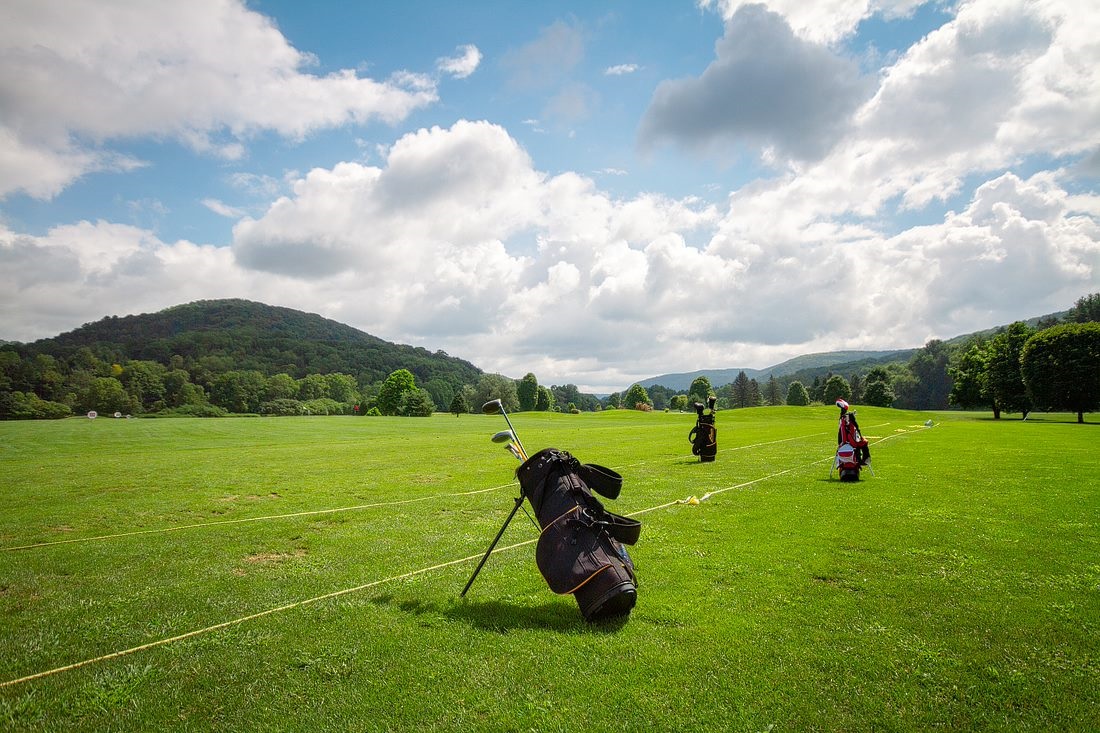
[519,503]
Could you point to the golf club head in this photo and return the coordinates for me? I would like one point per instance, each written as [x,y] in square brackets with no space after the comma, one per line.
[492,407]
[504,436]
[514,451]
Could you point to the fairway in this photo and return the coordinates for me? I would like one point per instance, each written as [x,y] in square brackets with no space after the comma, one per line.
[249,574]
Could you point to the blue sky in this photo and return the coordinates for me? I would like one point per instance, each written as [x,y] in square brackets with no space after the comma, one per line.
[595,192]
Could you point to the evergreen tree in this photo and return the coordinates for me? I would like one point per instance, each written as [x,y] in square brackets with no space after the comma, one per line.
[741,390]
[459,405]
[771,391]
[1086,309]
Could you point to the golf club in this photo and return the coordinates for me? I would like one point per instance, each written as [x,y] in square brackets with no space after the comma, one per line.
[506,436]
[493,407]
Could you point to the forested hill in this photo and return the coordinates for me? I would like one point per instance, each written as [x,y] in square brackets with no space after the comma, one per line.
[240,334]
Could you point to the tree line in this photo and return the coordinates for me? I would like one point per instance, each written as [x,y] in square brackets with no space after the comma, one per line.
[1054,365]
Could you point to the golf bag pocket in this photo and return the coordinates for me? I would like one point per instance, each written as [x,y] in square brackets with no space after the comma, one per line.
[576,555]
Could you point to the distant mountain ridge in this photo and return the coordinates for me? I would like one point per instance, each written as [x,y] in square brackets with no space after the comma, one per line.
[804,368]
[805,362]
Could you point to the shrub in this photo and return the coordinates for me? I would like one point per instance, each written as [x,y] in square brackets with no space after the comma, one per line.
[282,407]
[204,410]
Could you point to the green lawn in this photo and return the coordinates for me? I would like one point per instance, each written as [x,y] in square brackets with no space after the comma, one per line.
[312,567]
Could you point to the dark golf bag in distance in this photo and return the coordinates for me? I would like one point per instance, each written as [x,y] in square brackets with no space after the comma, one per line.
[704,436]
[580,550]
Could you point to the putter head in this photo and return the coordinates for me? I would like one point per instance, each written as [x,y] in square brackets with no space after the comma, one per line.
[492,407]
[504,436]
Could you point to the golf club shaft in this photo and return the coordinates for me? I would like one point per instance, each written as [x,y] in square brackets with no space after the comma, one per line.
[522,451]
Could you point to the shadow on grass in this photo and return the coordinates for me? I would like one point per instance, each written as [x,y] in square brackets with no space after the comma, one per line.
[502,617]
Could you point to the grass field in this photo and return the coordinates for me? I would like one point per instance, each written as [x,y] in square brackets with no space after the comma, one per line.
[304,574]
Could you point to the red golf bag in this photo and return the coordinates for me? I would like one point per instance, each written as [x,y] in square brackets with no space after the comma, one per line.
[580,550]
[852,452]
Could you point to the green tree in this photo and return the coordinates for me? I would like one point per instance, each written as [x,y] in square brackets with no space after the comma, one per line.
[932,382]
[390,398]
[105,395]
[312,387]
[879,394]
[678,402]
[741,391]
[969,370]
[144,381]
[1005,382]
[1061,368]
[179,391]
[700,390]
[1086,309]
[495,387]
[281,387]
[442,392]
[416,403]
[856,387]
[636,396]
[459,405]
[342,388]
[772,394]
[545,400]
[797,395]
[239,391]
[836,388]
[527,391]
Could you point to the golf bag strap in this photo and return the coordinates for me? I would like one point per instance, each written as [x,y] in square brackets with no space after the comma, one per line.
[602,480]
[624,529]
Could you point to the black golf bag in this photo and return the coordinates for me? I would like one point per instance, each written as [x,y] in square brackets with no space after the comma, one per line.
[580,550]
[704,436]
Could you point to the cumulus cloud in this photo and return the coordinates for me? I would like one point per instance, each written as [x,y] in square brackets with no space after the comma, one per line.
[75,76]
[462,65]
[458,242]
[766,88]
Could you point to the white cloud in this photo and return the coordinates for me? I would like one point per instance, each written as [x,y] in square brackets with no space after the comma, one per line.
[620,69]
[462,65]
[821,21]
[223,209]
[457,240]
[76,75]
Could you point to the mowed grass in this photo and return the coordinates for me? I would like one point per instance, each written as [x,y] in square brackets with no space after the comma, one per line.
[304,574]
